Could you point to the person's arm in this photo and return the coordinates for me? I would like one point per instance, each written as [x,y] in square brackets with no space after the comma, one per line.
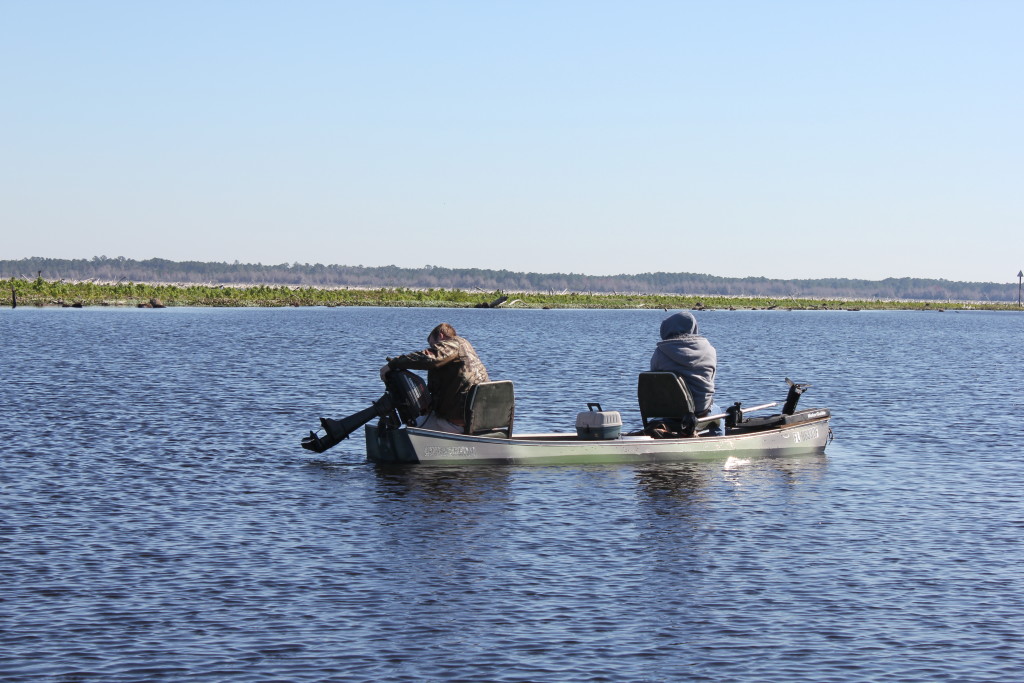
[439,354]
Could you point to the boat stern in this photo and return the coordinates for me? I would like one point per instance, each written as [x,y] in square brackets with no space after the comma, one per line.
[388,446]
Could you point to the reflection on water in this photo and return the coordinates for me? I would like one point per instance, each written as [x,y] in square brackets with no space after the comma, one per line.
[678,484]
[159,520]
[426,485]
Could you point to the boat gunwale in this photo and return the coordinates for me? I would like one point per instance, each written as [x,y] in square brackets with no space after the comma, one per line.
[563,438]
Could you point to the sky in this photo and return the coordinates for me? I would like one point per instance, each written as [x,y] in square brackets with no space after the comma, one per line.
[783,139]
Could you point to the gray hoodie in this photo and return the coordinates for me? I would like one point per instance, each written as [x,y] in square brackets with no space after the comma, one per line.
[688,354]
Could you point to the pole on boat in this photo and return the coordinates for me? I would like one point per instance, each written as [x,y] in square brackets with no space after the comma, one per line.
[745,410]
[1020,278]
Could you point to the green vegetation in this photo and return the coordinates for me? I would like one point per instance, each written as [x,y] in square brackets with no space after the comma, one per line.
[42,292]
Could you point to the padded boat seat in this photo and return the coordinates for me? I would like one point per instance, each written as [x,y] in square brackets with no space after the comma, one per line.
[665,403]
[490,409]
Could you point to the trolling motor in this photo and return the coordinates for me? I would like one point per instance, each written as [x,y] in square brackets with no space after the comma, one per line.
[795,391]
[405,399]
[734,414]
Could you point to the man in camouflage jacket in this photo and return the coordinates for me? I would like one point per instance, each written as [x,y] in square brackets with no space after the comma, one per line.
[453,368]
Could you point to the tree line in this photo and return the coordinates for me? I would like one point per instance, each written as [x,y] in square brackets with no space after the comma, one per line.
[121,269]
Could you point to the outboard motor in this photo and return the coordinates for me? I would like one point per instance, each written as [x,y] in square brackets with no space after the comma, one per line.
[405,399]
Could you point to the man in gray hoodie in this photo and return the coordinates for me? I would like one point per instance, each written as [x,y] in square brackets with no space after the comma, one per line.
[684,351]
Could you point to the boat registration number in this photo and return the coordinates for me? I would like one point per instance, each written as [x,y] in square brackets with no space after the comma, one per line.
[805,435]
[449,451]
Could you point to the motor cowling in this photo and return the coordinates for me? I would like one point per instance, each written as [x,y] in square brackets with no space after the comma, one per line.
[409,394]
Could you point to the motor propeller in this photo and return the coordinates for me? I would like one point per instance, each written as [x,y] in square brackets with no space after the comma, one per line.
[337,430]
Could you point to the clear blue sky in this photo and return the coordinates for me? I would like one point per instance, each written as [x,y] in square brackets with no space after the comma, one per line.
[826,138]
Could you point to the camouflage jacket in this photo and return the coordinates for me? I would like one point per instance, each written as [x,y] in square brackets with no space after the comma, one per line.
[453,368]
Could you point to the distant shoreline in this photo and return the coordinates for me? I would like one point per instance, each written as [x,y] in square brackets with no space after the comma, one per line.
[57,293]
[102,269]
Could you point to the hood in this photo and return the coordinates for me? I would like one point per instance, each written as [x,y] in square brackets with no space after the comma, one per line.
[678,324]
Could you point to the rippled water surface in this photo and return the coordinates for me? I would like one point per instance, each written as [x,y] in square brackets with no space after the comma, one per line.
[159,521]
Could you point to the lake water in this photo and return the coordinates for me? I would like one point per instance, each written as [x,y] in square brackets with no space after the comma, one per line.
[159,520]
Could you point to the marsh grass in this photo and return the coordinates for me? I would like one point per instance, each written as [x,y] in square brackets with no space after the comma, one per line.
[42,292]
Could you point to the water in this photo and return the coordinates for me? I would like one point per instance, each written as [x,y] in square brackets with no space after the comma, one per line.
[158,520]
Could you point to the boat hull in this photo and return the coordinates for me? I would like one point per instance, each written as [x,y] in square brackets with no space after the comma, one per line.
[426,447]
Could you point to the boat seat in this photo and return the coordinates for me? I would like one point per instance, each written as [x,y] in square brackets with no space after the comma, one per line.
[490,409]
[665,404]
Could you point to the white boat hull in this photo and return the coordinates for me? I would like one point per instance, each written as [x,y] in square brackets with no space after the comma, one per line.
[415,445]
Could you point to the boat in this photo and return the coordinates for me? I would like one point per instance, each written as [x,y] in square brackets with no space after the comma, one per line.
[670,431]
[423,446]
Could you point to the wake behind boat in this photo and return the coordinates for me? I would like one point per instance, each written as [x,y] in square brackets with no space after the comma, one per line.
[670,431]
